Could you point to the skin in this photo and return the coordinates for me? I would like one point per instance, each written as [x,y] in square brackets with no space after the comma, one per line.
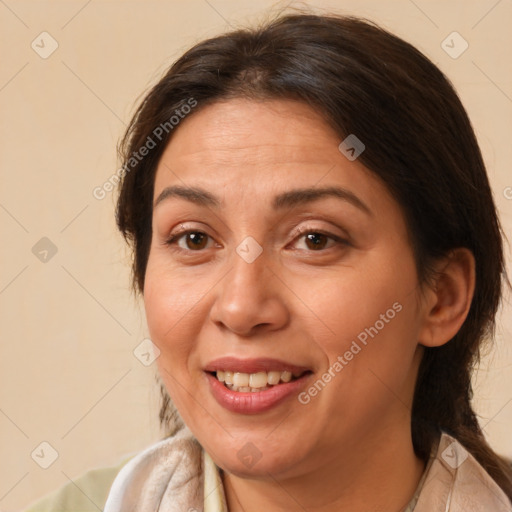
[297,302]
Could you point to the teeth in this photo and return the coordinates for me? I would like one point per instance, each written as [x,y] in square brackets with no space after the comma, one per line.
[273,378]
[286,376]
[254,382]
[258,380]
[246,389]
[240,380]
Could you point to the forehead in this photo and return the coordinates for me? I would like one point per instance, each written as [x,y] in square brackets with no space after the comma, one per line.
[243,126]
[251,156]
[245,143]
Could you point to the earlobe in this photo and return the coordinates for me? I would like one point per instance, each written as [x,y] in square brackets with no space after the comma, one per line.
[448,299]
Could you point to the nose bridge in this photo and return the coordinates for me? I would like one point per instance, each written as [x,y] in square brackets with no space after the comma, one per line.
[247,296]
[248,277]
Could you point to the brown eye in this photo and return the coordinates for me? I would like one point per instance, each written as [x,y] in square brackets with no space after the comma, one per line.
[197,240]
[194,240]
[316,241]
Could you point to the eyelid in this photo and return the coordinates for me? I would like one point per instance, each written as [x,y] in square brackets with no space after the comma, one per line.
[338,240]
[173,238]
[304,230]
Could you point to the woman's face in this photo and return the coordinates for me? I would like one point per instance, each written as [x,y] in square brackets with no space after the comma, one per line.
[270,280]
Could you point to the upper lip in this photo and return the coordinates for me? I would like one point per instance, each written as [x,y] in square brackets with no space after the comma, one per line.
[254,365]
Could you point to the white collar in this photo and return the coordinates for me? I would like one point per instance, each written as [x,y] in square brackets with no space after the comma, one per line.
[177,475]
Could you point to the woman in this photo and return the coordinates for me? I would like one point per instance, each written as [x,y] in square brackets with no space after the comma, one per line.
[320,259]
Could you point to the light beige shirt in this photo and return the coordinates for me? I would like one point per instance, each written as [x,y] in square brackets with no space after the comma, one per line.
[176,474]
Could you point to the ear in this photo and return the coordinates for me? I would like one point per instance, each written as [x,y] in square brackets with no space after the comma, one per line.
[447,300]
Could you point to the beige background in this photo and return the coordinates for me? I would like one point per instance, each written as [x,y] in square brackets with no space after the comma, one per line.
[69,325]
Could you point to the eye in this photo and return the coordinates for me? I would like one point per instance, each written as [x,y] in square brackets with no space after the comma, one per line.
[316,240]
[196,239]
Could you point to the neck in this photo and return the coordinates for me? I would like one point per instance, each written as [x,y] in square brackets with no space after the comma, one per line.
[380,476]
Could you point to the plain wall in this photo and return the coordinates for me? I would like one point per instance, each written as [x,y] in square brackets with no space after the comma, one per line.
[69,324]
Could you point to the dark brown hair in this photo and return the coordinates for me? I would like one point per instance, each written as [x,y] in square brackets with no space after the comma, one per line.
[419,142]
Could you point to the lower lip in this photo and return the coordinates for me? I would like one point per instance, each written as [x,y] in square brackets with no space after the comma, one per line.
[257,401]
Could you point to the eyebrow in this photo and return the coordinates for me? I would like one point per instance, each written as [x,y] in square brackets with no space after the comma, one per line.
[288,199]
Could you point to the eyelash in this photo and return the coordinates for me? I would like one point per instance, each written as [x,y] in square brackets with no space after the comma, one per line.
[173,239]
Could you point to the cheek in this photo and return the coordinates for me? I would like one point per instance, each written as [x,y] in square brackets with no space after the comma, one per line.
[348,301]
[372,318]
[169,305]
[172,301]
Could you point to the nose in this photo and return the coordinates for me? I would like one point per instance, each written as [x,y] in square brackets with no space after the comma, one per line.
[250,298]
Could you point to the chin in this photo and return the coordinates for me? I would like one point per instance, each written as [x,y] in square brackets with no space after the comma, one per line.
[258,471]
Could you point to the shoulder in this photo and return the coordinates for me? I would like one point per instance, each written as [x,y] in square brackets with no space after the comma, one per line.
[170,469]
[87,493]
[473,489]
[457,480]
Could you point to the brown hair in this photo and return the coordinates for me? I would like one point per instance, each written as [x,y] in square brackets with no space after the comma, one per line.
[419,141]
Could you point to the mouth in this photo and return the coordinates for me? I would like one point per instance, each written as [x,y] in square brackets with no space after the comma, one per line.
[242,382]
[250,386]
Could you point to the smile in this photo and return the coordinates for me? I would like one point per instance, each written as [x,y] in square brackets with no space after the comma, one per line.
[254,382]
[252,386]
